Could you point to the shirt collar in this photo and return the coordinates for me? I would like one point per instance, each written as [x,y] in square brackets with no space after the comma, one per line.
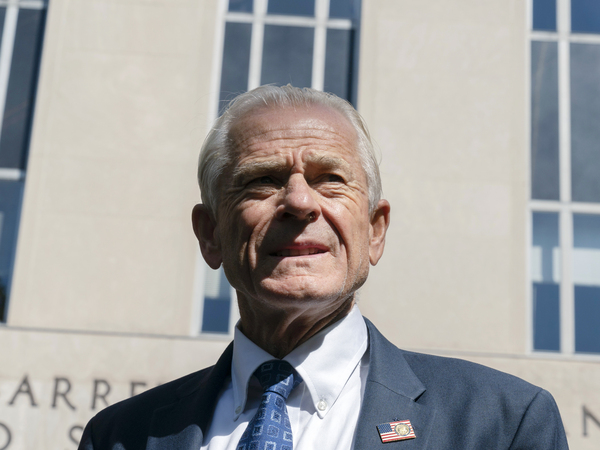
[325,362]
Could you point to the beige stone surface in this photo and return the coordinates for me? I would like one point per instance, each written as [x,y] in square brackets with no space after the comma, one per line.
[83,367]
[447,107]
[105,240]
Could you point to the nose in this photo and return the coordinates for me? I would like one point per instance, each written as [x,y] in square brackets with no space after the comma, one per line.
[299,201]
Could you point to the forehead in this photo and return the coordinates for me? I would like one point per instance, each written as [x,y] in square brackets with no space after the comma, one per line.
[272,131]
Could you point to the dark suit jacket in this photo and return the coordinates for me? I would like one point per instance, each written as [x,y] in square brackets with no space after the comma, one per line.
[452,404]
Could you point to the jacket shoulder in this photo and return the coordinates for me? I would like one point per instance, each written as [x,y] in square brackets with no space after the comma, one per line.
[146,402]
[129,424]
[126,424]
[441,377]
[495,409]
[461,376]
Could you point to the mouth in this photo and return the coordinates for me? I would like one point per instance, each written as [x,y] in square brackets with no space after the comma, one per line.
[299,250]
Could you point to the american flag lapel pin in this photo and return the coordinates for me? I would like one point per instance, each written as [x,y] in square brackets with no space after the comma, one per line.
[396,431]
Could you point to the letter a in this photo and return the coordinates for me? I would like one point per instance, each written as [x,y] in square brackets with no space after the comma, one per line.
[24,388]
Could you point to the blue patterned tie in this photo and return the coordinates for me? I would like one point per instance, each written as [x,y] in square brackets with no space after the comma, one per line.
[270,427]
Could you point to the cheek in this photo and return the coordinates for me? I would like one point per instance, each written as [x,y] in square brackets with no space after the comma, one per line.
[231,234]
[239,218]
[350,219]
[354,238]
[248,226]
[359,241]
[252,211]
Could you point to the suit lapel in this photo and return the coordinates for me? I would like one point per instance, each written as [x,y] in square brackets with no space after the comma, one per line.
[182,424]
[391,393]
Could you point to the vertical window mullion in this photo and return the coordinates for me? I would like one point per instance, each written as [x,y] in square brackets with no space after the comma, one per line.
[320,43]
[564,100]
[256,44]
[567,303]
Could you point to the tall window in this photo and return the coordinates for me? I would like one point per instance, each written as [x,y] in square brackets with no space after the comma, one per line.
[305,43]
[308,43]
[565,175]
[21,32]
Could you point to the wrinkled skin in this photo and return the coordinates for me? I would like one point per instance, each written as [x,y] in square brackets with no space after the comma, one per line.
[292,229]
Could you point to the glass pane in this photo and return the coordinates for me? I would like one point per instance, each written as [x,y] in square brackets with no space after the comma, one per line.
[586,277]
[236,62]
[544,15]
[241,5]
[585,16]
[344,9]
[546,317]
[292,7]
[585,122]
[2,16]
[338,62]
[545,253]
[21,88]
[586,249]
[287,55]
[10,204]
[544,121]
[587,319]
[545,275]
[217,302]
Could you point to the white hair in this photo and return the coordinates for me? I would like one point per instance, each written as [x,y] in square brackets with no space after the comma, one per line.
[216,152]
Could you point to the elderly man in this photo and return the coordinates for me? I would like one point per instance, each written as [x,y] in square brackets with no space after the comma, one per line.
[292,211]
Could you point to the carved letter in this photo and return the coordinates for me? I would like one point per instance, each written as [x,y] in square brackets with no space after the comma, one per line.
[97,395]
[588,415]
[135,384]
[24,388]
[8,436]
[73,428]
[63,394]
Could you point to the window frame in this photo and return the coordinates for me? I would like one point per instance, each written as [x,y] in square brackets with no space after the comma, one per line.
[259,18]
[7,45]
[564,207]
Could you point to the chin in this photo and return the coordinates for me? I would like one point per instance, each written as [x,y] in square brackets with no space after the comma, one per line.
[289,291]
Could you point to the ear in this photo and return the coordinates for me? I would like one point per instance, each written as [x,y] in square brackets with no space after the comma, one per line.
[205,229]
[380,220]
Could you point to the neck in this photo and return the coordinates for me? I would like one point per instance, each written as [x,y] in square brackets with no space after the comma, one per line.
[278,331]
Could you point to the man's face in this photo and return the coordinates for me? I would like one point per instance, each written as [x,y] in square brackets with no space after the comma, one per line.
[293,228]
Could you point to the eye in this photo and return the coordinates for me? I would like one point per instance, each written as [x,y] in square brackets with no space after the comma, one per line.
[333,178]
[264,180]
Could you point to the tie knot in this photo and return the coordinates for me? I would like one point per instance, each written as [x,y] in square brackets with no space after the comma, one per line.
[278,376]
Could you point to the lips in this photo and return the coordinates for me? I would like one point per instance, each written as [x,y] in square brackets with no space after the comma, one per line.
[299,250]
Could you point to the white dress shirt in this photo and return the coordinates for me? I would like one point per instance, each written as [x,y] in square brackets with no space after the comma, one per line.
[323,410]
